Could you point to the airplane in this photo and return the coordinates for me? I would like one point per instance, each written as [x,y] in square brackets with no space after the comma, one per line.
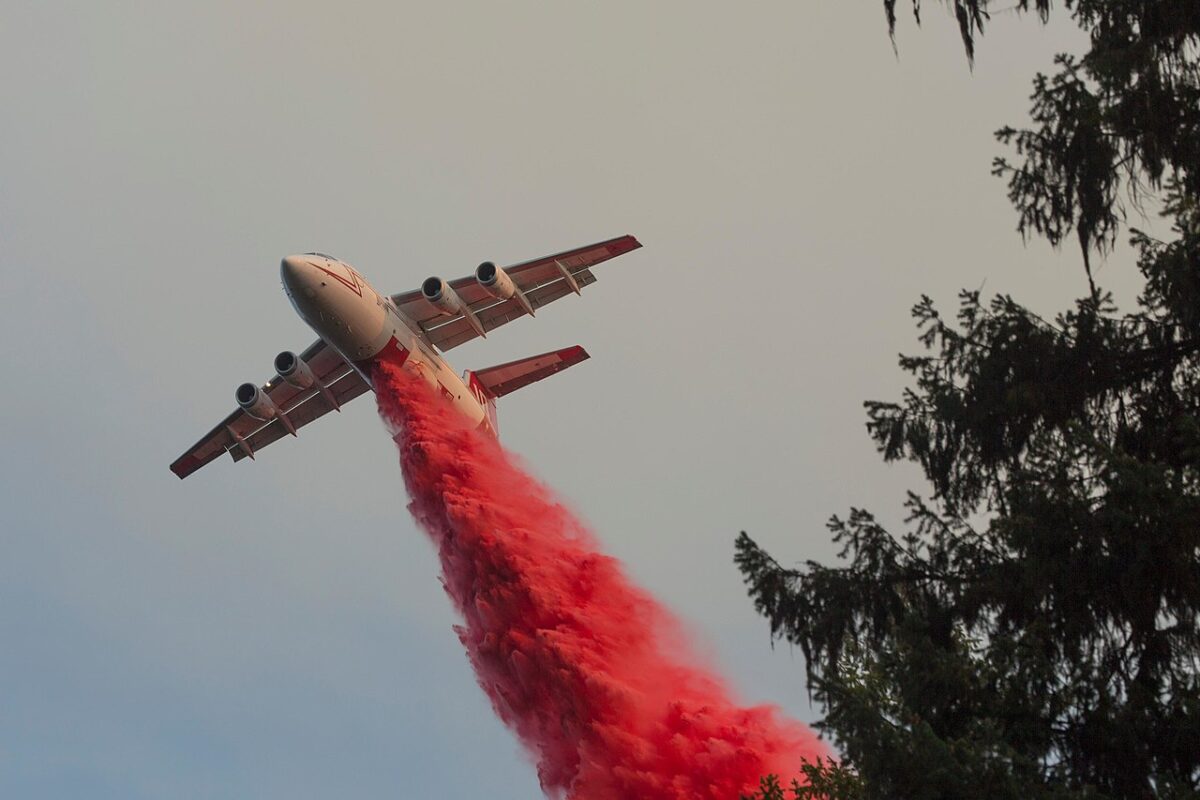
[357,327]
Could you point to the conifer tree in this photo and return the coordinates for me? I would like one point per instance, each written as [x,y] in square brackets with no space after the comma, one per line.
[1034,631]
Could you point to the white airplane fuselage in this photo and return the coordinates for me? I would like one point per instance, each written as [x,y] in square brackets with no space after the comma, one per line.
[366,328]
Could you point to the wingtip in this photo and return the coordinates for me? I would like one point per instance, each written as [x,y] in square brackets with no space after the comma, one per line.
[575,354]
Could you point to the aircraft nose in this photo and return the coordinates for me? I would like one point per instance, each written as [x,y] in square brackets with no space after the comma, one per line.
[296,273]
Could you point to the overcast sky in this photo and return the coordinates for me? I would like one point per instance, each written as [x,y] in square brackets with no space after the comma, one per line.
[276,629]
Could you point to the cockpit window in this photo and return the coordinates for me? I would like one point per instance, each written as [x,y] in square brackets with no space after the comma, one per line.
[322,255]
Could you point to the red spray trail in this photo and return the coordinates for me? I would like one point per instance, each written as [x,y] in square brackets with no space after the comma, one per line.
[581,664]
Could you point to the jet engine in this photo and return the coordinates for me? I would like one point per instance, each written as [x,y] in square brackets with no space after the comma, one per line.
[495,281]
[255,402]
[440,296]
[443,297]
[294,369]
[499,285]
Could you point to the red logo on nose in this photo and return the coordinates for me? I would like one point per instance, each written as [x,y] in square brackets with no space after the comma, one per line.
[350,283]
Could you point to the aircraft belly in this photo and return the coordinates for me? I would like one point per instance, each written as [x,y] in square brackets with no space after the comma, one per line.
[366,332]
[403,349]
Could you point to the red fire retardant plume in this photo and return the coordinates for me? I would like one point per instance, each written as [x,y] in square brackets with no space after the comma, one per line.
[586,668]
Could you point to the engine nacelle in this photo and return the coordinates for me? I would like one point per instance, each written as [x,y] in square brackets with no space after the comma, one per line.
[495,281]
[439,295]
[255,402]
[295,370]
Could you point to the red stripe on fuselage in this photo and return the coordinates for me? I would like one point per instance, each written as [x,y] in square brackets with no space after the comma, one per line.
[487,401]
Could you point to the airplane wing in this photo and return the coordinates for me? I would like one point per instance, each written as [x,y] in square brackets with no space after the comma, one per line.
[242,435]
[543,281]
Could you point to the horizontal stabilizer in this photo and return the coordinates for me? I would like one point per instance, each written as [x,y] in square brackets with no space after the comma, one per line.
[505,378]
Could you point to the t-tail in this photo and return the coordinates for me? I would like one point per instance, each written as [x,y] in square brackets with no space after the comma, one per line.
[492,383]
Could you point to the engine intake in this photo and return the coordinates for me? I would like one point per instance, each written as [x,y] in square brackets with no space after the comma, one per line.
[295,370]
[255,402]
[439,295]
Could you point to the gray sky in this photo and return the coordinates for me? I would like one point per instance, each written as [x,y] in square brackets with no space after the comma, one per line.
[276,629]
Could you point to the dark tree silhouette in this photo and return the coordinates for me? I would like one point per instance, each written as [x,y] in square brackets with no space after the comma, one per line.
[1035,632]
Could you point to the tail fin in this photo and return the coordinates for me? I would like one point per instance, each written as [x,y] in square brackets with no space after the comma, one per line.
[493,382]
